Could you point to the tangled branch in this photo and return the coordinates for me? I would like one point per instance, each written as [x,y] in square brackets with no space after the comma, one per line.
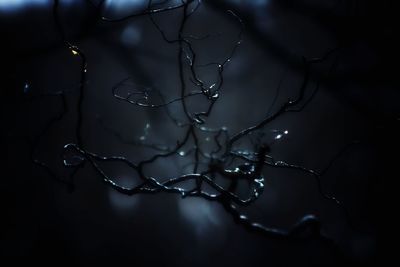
[218,162]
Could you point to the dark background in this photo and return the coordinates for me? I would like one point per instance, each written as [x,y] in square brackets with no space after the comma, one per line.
[44,222]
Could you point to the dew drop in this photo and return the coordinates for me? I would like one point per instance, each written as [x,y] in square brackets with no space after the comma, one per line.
[26,88]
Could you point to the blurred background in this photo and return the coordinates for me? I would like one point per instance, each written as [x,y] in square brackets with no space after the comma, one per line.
[45,222]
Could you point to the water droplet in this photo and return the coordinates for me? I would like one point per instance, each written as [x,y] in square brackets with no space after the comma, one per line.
[215,95]
[279,136]
[182,153]
[74,160]
[26,88]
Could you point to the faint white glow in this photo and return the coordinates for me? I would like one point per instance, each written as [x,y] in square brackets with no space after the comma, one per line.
[16,5]
[146,132]
[281,134]
[26,88]
[123,5]
[121,202]
[130,6]
[131,36]
[117,5]
[12,5]
[259,2]
[252,3]
[182,153]
[200,213]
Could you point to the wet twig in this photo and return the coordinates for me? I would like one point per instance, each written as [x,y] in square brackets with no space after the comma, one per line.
[206,166]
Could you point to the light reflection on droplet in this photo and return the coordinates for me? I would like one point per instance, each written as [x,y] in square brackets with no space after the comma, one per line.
[215,95]
[26,88]
[280,134]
